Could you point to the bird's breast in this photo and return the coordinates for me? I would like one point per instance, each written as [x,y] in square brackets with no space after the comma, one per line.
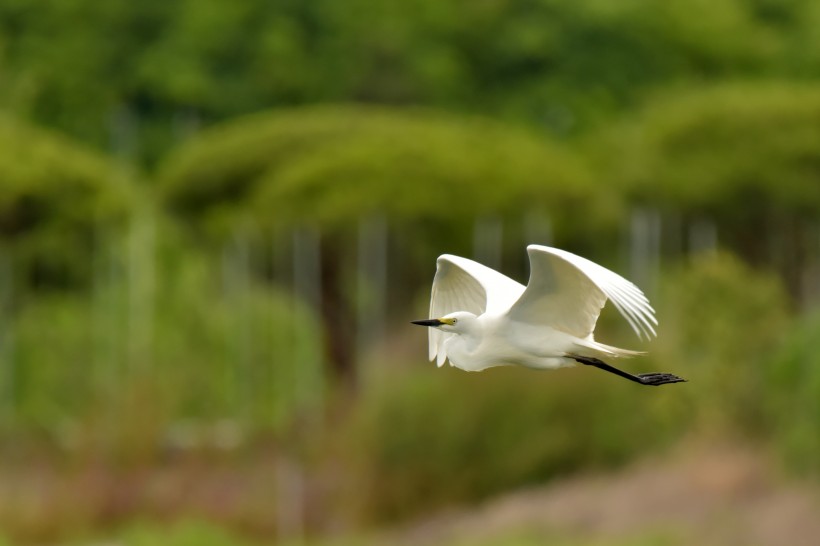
[507,343]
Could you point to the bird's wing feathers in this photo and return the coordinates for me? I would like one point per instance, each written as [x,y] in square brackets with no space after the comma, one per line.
[567,292]
[464,285]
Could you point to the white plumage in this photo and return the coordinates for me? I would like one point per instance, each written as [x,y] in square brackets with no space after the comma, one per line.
[481,318]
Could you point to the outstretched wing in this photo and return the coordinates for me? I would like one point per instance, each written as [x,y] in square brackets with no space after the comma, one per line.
[567,292]
[464,285]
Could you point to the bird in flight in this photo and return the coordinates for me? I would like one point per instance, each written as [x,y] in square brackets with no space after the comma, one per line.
[485,319]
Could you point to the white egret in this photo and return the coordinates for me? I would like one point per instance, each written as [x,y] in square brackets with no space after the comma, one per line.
[481,318]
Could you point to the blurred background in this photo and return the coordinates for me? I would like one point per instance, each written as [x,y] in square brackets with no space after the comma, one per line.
[218,216]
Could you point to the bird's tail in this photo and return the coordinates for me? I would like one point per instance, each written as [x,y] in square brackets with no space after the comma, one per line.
[607,350]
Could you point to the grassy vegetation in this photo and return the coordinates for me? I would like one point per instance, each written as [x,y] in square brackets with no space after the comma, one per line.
[792,402]
[203,341]
[200,533]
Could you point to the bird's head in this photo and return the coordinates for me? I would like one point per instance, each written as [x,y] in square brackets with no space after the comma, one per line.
[455,323]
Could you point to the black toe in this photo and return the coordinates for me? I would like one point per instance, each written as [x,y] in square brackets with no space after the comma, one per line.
[656,379]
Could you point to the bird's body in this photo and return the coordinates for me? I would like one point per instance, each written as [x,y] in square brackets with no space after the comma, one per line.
[487,319]
[492,341]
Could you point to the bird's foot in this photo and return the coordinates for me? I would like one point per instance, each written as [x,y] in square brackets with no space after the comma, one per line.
[656,379]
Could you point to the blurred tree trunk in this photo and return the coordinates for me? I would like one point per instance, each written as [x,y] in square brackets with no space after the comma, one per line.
[337,315]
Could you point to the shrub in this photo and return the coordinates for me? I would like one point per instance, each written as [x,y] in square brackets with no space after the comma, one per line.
[438,437]
[792,386]
[721,325]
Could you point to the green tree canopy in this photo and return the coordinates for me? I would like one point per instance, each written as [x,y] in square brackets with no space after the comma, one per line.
[744,157]
[54,196]
[141,73]
[330,165]
[715,150]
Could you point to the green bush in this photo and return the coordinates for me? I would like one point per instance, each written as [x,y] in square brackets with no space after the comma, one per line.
[185,533]
[439,437]
[164,334]
[721,323]
[793,398]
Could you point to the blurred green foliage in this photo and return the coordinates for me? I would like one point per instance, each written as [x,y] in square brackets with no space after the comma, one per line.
[55,196]
[214,350]
[200,533]
[185,533]
[330,166]
[792,384]
[741,159]
[735,151]
[254,119]
[723,322]
[483,433]
[168,66]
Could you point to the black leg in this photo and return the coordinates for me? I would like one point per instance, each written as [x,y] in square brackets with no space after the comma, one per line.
[653,379]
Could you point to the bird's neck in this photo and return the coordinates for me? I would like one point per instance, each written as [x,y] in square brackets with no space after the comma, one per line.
[470,335]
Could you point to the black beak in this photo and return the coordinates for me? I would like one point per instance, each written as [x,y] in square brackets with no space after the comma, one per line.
[430,322]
